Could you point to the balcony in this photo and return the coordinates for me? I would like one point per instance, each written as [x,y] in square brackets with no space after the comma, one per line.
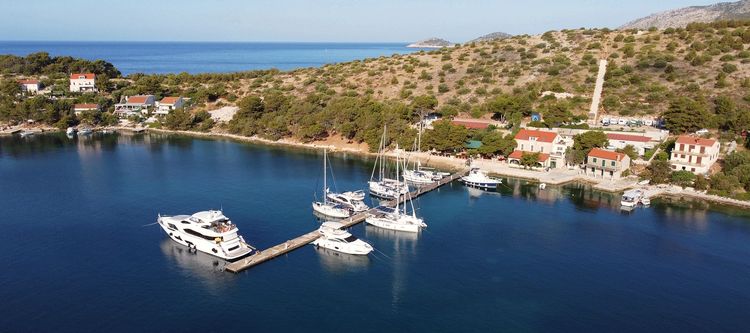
[607,167]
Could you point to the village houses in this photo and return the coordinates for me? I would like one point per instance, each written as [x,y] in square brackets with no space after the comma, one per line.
[606,164]
[550,146]
[168,104]
[694,154]
[30,86]
[134,105]
[78,109]
[83,82]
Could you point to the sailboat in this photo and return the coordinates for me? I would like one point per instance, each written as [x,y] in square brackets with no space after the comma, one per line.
[420,175]
[394,218]
[383,187]
[326,207]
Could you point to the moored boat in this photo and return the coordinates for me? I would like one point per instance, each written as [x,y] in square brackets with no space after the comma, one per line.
[208,231]
[333,237]
[329,208]
[478,178]
[631,198]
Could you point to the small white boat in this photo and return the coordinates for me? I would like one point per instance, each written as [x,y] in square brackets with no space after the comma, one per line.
[26,134]
[209,231]
[353,200]
[332,237]
[646,201]
[85,131]
[329,208]
[542,186]
[70,131]
[631,198]
[479,178]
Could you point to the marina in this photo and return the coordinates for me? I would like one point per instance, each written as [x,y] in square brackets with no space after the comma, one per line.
[291,245]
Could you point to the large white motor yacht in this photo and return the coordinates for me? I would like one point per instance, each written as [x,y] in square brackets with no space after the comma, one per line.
[631,198]
[352,199]
[208,231]
[332,237]
[479,178]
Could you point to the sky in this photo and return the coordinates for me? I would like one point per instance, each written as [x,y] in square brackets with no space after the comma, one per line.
[310,20]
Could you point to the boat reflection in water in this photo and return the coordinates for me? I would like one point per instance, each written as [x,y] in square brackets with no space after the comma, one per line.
[401,247]
[337,262]
[207,269]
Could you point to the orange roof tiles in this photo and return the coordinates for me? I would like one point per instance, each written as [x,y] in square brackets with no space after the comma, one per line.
[606,154]
[541,136]
[692,140]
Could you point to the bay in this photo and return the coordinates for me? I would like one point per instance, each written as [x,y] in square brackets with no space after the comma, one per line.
[80,252]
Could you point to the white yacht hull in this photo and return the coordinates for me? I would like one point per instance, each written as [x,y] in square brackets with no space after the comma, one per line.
[385,223]
[484,185]
[387,190]
[228,250]
[418,177]
[330,211]
[342,247]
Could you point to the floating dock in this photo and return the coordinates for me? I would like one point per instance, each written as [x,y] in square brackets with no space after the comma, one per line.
[281,249]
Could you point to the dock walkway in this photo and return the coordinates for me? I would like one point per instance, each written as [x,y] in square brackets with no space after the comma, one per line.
[293,244]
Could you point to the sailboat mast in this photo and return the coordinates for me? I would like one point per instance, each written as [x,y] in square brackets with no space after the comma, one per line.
[398,181]
[325,184]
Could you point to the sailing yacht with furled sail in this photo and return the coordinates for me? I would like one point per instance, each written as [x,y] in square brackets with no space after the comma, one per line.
[395,219]
[383,187]
[329,208]
[420,175]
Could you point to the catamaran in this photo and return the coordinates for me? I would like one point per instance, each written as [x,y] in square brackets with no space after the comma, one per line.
[329,208]
[332,237]
[394,219]
[208,231]
[383,187]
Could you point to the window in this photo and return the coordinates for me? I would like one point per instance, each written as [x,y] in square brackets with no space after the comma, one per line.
[197,234]
[613,163]
[172,226]
[350,239]
[703,150]
[692,169]
[594,159]
[692,147]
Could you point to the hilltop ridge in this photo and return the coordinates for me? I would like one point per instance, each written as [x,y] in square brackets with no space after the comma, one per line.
[681,17]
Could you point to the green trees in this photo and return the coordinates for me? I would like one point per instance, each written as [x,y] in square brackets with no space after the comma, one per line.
[683,178]
[529,160]
[659,172]
[495,143]
[685,115]
[41,63]
[583,143]
[445,137]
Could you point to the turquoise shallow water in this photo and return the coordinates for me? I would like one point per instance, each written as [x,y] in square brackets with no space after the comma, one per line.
[78,254]
[207,57]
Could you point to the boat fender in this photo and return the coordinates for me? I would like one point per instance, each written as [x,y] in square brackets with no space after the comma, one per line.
[217,240]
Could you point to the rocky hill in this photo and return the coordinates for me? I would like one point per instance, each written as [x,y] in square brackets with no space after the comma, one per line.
[683,16]
[491,37]
[431,43]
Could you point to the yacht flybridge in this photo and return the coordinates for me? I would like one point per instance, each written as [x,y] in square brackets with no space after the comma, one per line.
[330,208]
[354,200]
[478,178]
[332,237]
[207,231]
[382,187]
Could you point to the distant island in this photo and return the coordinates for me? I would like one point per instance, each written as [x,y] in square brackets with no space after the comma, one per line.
[491,37]
[433,43]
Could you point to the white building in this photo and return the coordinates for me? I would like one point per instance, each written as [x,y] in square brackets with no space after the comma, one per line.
[640,142]
[78,109]
[694,154]
[31,87]
[550,146]
[82,82]
[167,104]
[135,105]
[606,164]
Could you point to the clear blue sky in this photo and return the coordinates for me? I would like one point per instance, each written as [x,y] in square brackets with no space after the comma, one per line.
[310,20]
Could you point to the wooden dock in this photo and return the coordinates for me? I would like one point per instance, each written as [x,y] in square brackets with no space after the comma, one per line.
[293,244]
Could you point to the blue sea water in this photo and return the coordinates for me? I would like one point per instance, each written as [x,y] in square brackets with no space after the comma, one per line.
[207,57]
[79,252]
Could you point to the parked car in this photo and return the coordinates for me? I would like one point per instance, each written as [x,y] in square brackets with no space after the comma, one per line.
[701,131]
[622,122]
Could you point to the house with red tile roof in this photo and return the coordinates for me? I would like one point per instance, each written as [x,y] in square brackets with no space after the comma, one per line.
[549,145]
[83,82]
[135,105]
[641,143]
[694,154]
[606,164]
[30,86]
[167,104]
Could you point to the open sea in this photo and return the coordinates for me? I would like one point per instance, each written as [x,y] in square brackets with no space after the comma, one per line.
[79,251]
[207,57]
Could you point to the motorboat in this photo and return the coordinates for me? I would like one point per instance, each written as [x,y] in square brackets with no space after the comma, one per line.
[631,198]
[26,134]
[333,237]
[394,219]
[646,201]
[329,208]
[352,199]
[478,178]
[70,131]
[542,186]
[208,231]
[85,131]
